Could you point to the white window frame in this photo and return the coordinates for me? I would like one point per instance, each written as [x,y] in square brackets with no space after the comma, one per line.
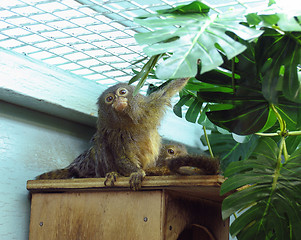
[42,87]
[45,88]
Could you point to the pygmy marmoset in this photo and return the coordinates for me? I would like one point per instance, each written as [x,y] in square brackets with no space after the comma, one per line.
[127,140]
[174,159]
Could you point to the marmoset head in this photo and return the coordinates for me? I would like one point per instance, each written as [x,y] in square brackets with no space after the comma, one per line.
[117,106]
[170,151]
[173,150]
[117,96]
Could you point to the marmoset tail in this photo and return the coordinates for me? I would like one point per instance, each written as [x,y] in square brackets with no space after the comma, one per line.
[71,171]
[56,174]
[194,165]
[127,139]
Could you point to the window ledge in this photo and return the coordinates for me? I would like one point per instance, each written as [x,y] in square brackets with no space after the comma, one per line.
[38,86]
[45,88]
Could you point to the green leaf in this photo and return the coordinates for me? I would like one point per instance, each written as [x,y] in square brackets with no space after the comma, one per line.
[196,85]
[240,180]
[143,74]
[244,220]
[194,7]
[243,120]
[252,232]
[204,121]
[271,2]
[253,19]
[289,23]
[279,50]
[228,149]
[248,103]
[291,113]
[239,152]
[296,155]
[272,199]
[243,167]
[292,85]
[271,19]
[245,197]
[198,38]
[272,119]
[250,111]
[178,107]
[293,142]
[194,110]
[266,149]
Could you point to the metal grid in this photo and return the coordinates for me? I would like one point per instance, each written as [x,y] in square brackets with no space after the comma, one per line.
[91,38]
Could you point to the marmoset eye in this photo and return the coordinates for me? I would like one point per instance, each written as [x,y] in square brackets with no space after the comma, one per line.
[109,99]
[122,92]
[170,151]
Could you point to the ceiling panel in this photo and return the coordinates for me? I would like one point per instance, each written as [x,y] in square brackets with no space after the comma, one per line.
[91,38]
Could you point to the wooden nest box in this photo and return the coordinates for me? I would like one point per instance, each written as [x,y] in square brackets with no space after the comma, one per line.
[169,208]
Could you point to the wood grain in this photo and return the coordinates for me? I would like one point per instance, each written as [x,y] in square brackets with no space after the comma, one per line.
[206,187]
[96,215]
[86,209]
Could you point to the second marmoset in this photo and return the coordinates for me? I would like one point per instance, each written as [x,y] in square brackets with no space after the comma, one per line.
[174,159]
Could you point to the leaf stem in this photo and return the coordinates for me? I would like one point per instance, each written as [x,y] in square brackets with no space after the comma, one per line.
[280,120]
[285,153]
[293,133]
[294,37]
[267,134]
[208,143]
[278,166]
[275,179]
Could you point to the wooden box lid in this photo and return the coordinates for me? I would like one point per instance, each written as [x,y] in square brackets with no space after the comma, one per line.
[202,187]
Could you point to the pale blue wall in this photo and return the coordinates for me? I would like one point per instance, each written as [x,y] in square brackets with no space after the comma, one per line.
[31,142]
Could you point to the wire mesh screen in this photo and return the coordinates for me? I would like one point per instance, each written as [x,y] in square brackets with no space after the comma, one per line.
[91,38]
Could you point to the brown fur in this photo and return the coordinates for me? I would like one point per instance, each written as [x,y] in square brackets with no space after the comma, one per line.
[127,140]
[174,158]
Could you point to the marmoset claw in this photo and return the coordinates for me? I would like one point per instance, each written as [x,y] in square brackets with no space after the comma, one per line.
[111,178]
[136,179]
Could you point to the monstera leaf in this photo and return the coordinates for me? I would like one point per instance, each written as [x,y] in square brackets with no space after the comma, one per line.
[242,79]
[278,56]
[191,35]
[229,150]
[270,197]
[234,101]
[238,101]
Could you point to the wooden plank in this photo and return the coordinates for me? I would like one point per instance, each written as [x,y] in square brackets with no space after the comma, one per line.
[123,182]
[206,187]
[96,215]
[151,182]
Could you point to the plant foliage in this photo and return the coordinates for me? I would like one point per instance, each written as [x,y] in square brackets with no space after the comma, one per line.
[245,71]
[271,198]
[190,33]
